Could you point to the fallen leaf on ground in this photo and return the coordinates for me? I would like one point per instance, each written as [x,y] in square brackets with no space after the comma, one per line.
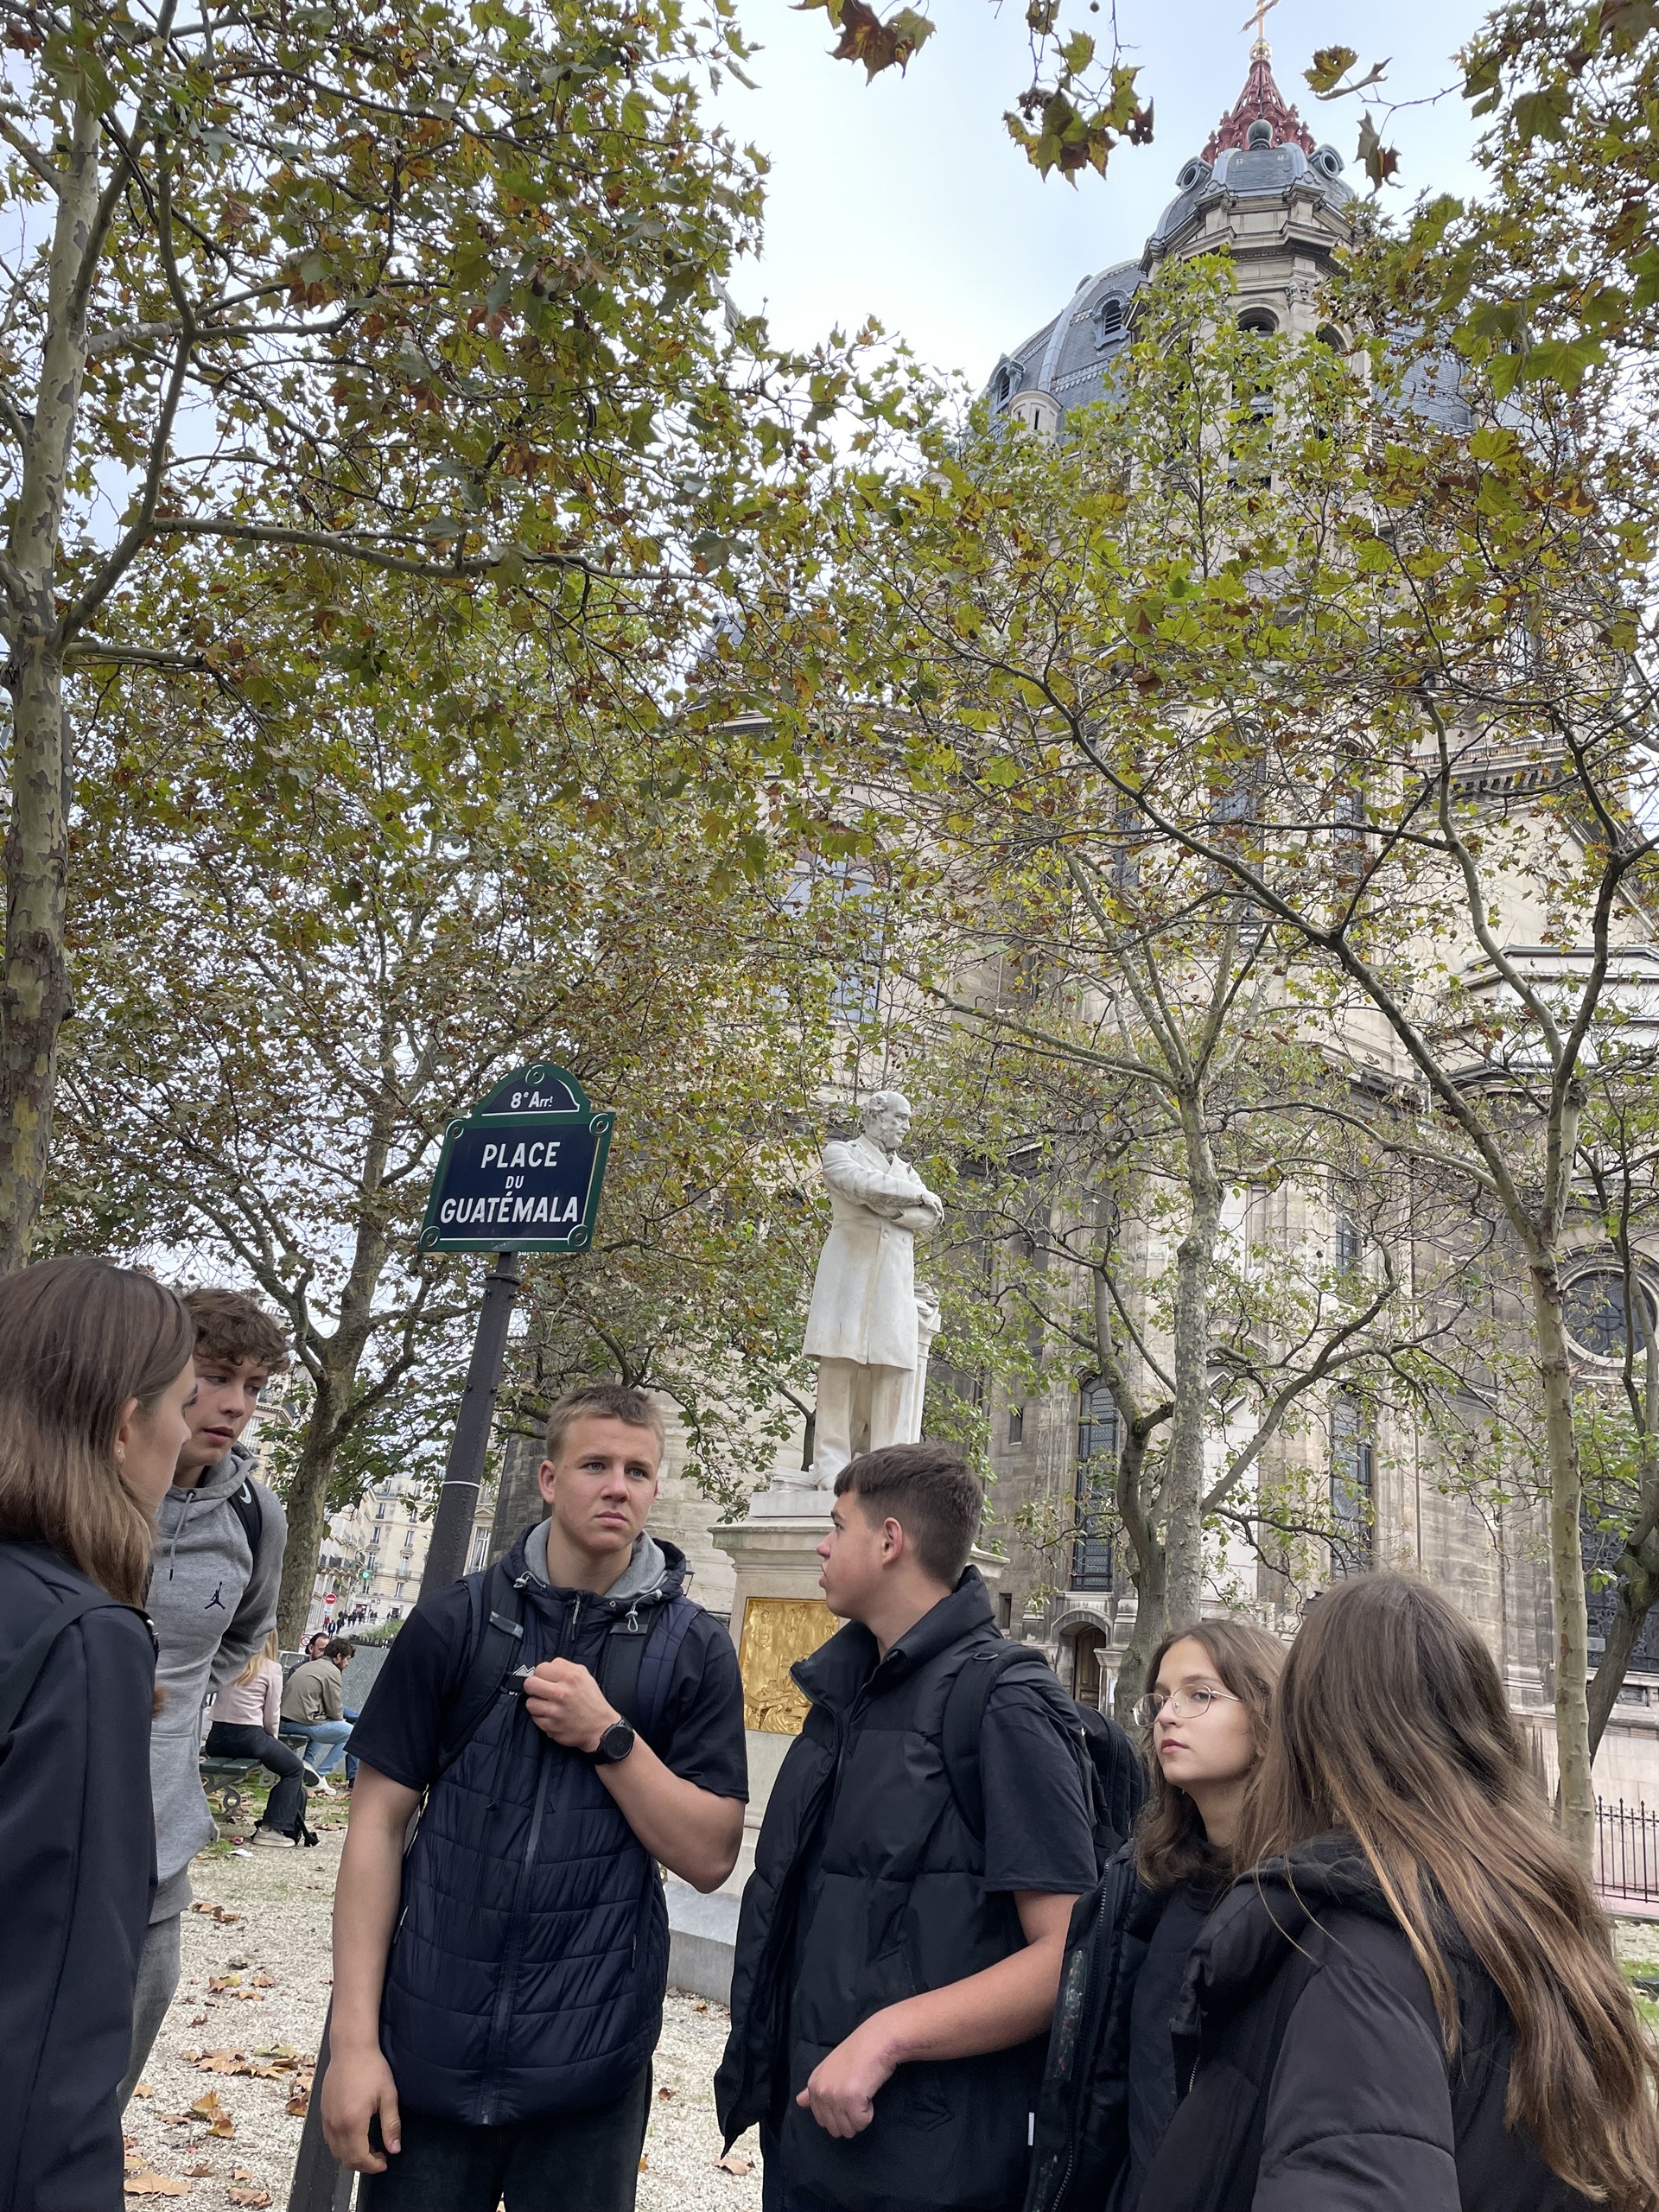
[699,2006]
[203,2172]
[225,1981]
[199,2019]
[217,1912]
[174,2119]
[142,2089]
[209,2108]
[300,2103]
[262,1981]
[667,2093]
[241,2173]
[155,2185]
[644,2162]
[735,2163]
[247,2197]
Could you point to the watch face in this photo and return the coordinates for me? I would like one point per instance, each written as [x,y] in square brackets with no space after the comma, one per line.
[617,1741]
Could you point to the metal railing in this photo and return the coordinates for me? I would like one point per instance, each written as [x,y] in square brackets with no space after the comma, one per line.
[1627,1850]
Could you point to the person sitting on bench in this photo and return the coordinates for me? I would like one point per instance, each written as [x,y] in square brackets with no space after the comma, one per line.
[243,1725]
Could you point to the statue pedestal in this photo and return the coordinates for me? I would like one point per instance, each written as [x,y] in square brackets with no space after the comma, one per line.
[778,1616]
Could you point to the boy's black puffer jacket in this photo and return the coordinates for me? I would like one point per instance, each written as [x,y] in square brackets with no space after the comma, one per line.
[77,1868]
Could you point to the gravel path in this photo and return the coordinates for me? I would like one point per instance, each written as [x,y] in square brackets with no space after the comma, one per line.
[263,1935]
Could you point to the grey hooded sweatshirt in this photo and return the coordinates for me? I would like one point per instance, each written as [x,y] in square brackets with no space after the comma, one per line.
[214,1606]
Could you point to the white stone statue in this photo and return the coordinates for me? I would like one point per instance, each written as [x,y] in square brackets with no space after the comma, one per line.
[863,1328]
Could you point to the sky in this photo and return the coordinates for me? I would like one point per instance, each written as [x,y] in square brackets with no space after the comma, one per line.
[905,198]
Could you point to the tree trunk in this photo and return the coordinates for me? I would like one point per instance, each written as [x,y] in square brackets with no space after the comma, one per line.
[1151,1616]
[307,1506]
[35,995]
[1576,1798]
[1184,1476]
[1638,1591]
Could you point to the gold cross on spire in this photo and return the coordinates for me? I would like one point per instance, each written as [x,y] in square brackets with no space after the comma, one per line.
[1260,50]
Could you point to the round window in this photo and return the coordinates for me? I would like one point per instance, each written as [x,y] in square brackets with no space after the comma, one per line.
[1593,1305]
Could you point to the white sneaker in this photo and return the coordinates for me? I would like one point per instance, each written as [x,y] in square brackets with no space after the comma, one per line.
[325,1789]
[311,1778]
[272,1839]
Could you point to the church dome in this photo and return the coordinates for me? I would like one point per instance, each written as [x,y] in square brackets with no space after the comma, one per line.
[1261,158]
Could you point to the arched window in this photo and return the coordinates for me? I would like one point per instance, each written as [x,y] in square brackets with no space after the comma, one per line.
[1328,334]
[1010,378]
[1352,1477]
[1108,317]
[1260,320]
[1097,1445]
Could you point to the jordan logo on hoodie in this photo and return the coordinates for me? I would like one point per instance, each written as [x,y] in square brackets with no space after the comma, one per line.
[218,1599]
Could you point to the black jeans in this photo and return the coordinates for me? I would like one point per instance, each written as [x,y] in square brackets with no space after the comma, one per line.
[570,2162]
[285,1807]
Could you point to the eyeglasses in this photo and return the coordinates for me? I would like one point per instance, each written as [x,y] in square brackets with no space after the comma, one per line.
[1183,1705]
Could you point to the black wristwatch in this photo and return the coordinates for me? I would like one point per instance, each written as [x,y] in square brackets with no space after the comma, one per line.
[615,1743]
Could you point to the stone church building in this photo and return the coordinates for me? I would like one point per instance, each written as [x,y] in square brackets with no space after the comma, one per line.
[1264,191]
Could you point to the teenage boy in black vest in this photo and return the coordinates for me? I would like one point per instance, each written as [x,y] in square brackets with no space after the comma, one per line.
[498,1992]
[896,1971]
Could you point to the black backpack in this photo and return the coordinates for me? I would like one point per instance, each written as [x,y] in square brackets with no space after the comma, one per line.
[1115,1776]
[496,1611]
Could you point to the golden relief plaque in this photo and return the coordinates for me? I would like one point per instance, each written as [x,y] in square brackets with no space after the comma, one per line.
[777,1631]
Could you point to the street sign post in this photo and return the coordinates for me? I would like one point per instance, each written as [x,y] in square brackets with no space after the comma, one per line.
[523,1173]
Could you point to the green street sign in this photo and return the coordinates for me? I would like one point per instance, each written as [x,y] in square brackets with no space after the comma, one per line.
[523,1172]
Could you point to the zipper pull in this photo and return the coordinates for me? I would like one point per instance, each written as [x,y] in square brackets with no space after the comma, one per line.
[576,1613]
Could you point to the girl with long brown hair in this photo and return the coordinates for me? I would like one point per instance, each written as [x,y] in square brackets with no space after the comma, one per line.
[95,1370]
[1410,2003]
[1110,2088]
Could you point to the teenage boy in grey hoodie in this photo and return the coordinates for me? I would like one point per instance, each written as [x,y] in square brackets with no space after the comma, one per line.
[213,1599]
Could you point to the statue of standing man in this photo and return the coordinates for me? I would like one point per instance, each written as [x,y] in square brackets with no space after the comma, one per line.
[862,1327]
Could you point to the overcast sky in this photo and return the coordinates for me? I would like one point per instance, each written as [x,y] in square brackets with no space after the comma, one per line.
[906,199]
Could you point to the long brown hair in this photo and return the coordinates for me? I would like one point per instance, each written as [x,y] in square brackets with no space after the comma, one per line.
[1391,1723]
[1170,1842]
[79,1339]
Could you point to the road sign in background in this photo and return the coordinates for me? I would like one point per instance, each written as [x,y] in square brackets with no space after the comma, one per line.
[523,1172]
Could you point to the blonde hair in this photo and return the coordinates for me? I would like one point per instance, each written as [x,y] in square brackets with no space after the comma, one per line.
[271,1648]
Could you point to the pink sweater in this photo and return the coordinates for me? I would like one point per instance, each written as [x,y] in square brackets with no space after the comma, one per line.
[256,1704]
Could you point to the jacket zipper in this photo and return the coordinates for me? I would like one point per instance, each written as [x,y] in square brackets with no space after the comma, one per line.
[504,1995]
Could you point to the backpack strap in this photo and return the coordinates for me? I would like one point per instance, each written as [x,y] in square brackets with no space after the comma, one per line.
[24,1671]
[964,1714]
[623,1656]
[495,1653]
[243,1502]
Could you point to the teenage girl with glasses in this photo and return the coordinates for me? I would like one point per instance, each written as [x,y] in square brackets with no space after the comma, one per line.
[1109,2090]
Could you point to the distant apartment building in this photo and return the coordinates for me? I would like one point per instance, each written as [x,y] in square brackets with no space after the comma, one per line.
[369,1571]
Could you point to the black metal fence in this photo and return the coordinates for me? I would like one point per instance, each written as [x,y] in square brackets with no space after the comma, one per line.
[1627,1851]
